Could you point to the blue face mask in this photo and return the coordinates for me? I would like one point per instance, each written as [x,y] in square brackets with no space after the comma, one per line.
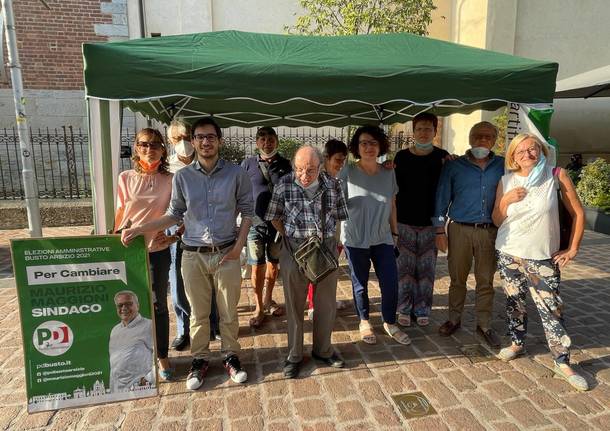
[424,147]
[536,174]
[479,152]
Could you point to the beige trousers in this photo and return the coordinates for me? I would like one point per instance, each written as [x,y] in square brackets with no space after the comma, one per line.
[295,292]
[203,274]
[466,243]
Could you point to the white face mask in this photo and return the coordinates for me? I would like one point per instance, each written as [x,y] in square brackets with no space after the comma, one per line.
[184,148]
[479,152]
[268,155]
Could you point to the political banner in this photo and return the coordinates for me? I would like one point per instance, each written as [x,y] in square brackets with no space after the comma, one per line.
[536,120]
[86,320]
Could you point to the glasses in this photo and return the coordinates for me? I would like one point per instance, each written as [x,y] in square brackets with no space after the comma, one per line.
[489,137]
[369,143]
[124,304]
[309,171]
[210,137]
[530,150]
[155,145]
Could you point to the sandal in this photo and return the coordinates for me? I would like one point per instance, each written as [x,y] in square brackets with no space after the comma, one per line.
[167,374]
[404,319]
[395,332]
[423,321]
[509,353]
[577,381]
[366,332]
[273,309]
[256,321]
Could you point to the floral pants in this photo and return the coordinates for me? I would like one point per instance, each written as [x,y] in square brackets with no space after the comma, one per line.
[416,269]
[541,278]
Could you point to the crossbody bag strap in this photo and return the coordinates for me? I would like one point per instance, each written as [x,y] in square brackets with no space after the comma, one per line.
[265,171]
[323,214]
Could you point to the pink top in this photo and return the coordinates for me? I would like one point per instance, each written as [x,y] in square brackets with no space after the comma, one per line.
[142,198]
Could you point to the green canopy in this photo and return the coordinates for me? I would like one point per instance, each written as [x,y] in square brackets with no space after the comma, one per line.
[247,79]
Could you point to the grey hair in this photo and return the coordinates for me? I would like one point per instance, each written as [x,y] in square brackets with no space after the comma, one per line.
[127,292]
[182,126]
[316,151]
[484,124]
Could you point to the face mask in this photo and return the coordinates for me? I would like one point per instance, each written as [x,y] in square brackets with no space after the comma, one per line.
[149,167]
[479,152]
[268,155]
[184,148]
[537,173]
[424,147]
[312,186]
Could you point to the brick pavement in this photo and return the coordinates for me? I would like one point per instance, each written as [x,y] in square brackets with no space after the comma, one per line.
[473,396]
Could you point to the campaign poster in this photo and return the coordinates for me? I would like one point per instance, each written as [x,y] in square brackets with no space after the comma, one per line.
[86,320]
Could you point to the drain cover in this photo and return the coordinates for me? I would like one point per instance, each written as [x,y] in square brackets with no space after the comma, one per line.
[476,353]
[413,405]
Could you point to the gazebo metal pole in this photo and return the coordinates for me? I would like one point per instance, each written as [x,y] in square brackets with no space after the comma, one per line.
[29,181]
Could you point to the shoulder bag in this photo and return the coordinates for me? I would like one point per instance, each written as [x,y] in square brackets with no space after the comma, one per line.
[565,218]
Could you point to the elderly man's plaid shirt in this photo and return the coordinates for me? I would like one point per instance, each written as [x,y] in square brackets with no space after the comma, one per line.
[301,216]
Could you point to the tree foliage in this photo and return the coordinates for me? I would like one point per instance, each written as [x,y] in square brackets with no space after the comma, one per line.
[344,17]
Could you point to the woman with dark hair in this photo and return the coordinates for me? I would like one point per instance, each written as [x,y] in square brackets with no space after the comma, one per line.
[417,169]
[335,154]
[143,194]
[371,232]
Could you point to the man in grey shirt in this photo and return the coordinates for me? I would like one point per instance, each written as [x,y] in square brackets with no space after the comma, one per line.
[207,196]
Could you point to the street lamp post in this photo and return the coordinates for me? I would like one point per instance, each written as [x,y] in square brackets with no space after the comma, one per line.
[30,186]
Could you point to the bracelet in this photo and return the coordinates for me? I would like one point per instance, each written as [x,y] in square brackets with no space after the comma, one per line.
[440,233]
[394,234]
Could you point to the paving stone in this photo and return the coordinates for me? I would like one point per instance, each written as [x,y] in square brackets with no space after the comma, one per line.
[135,419]
[601,422]
[280,426]
[582,404]
[518,380]
[349,411]
[480,373]
[279,408]
[385,416]
[320,426]
[499,390]
[172,426]
[277,388]
[34,420]
[172,408]
[65,419]
[543,400]
[339,387]
[429,423]
[371,391]
[214,424]
[396,382]
[525,413]
[7,415]
[459,381]
[311,409]
[243,404]
[104,415]
[207,408]
[461,419]
[484,406]
[505,426]
[569,421]
[254,423]
[302,388]
[438,394]
[420,370]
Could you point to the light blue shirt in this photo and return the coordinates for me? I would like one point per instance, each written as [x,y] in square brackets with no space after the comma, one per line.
[466,193]
[209,203]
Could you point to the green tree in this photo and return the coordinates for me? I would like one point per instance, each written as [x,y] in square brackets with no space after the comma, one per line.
[343,17]
[501,121]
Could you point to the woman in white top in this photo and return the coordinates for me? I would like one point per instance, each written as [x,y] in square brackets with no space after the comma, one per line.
[527,247]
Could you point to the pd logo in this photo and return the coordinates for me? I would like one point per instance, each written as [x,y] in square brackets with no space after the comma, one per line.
[53,338]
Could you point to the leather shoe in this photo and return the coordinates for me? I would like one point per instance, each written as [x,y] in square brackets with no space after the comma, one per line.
[490,336]
[291,369]
[181,343]
[448,328]
[334,361]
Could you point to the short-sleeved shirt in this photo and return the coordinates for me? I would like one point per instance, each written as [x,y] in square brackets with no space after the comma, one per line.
[417,178]
[301,213]
[369,205]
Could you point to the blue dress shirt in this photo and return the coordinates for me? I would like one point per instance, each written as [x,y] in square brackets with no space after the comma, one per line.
[466,193]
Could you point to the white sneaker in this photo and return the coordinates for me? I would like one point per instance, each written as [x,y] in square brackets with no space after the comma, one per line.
[199,369]
[234,369]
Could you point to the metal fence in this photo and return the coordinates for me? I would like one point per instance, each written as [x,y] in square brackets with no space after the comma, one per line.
[61,156]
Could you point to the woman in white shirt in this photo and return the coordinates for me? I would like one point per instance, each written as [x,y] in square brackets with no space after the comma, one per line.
[527,247]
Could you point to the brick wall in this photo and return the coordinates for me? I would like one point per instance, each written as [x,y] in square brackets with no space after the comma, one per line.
[50,41]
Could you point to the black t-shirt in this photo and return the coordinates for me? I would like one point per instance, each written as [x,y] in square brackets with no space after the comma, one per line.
[417,178]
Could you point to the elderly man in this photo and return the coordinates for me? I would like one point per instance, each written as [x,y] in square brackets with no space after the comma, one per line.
[207,195]
[265,170]
[465,196]
[131,346]
[295,211]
